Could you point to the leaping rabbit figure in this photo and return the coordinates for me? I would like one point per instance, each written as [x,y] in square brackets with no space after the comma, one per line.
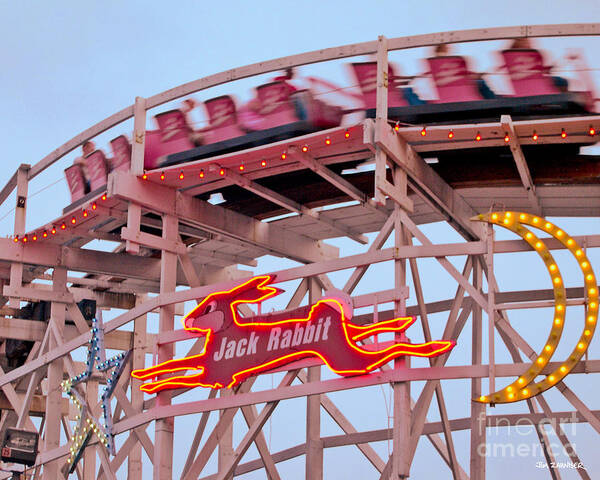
[237,347]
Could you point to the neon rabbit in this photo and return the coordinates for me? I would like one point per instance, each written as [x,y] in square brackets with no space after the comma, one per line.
[237,347]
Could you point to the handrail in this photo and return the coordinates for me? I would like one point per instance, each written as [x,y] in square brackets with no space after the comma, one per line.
[333,53]
[9,187]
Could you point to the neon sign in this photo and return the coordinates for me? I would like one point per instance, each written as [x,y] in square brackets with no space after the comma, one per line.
[238,347]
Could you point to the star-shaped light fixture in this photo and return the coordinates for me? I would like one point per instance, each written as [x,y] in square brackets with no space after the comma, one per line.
[87,424]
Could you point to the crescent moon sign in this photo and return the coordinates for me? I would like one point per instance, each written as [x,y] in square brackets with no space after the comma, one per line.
[525,386]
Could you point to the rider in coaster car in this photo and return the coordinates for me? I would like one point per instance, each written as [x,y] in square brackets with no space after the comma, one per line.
[525,44]
[443,50]
[86,150]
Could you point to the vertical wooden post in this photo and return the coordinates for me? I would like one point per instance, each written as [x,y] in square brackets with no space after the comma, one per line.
[16,268]
[381,114]
[55,377]
[89,454]
[134,211]
[314,445]
[139,136]
[402,413]
[21,206]
[163,440]
[491,306]
[226,451]
[134,459]
[478,414]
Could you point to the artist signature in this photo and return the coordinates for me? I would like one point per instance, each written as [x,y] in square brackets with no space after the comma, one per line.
[572,465]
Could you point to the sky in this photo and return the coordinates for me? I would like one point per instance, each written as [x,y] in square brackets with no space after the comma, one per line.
[68,64]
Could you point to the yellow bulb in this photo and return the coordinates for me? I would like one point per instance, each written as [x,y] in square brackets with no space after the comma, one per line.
[506,221]
[538,245]
[587,333]
[522,216]
[570,242]
[540,360]
[552,267]
[551,378]
[592,291]
[560,308]
[508,214]
[579,252]
[592,304]
[591,319]
[509,389]
[589,277]
[521,381]
[584,264]
[556,280]
[563,369]
[511,395]
[548,348]
[548,226]
[525,391]
[529,235]
[580,345]
[536,220]
[494,216]
[559,233]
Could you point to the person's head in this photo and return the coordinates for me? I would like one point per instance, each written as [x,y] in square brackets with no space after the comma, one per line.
[520,43]
[188,105]
[441,50]
[87,148]
[289,73]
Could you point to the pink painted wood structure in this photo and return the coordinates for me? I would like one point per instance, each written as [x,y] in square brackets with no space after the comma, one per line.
[289,198]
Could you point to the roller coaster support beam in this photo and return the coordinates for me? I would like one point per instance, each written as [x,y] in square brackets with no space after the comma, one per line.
[55,375]
[134,210]
[521,162]
[423,179]
[293,206]
[134,461]
[478,410]
[402,411]
[16,269]
[226,452]
[381,113]
[401,460]
[164,428]
[219,220]
[314,445]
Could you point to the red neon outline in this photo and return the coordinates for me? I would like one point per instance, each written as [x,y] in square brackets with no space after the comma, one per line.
[352,333]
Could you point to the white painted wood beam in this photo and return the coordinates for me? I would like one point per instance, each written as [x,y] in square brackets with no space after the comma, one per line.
[423,179]
[216,219]
[293,206]
[521,163]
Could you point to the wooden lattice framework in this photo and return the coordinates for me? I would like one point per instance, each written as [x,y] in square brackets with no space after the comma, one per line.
[392,210]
